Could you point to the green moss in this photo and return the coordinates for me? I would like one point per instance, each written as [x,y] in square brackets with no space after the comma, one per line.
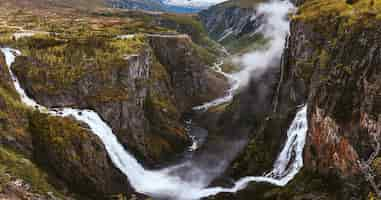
[13,115]
[18,166]
[167,135]
[55,131]
[158,101]
[246,43]
[62,62]
[362,14]
[305,69]
[376,165]
[10,100]
[6,38]
[188,24]
[346,69]
[324,58]
[206,56]
[109,94]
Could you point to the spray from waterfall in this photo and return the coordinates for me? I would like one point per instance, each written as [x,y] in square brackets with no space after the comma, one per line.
[275,29]
[254,64]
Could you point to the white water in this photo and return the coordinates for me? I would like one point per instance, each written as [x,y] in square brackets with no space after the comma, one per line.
[235,84]
[164,183]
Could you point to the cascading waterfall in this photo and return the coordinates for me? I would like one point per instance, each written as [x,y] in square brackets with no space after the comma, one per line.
[165,183]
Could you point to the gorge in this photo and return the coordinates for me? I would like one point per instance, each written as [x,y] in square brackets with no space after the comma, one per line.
[293,113]
[169,185]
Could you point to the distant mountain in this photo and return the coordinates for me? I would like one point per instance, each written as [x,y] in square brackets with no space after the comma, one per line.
[197,4]
[174,6]
[179,6]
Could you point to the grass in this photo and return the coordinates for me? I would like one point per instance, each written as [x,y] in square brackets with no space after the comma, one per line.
[245,44]
[363,12]
[13,112]
[57,132]
[18,166]
[65,60]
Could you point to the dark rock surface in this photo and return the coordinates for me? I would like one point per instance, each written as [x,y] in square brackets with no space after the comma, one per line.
[193,82]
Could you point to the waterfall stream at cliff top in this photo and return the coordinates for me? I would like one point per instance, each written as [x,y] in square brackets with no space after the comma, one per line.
[166,183]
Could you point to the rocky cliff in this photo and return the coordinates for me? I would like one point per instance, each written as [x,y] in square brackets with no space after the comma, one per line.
[331,62]
[340,63]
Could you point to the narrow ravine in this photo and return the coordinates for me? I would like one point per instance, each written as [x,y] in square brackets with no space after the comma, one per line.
[166,183]
[234,82]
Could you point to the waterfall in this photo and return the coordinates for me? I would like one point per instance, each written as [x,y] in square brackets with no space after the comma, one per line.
[165,183]
[286,166]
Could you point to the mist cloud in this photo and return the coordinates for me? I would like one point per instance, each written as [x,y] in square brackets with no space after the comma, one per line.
[275,29]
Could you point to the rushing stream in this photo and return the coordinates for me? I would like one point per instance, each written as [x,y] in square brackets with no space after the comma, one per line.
[167,183]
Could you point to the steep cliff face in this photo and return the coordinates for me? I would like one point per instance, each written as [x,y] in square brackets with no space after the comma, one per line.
[332,62]
[194,83]
[339,60]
